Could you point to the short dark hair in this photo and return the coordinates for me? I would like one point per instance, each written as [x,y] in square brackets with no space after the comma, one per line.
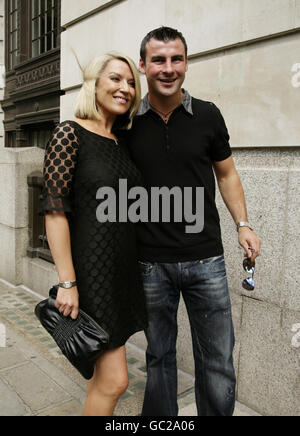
[162,34]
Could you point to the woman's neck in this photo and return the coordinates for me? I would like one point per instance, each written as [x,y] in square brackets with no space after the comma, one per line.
[107,121]
[103,127]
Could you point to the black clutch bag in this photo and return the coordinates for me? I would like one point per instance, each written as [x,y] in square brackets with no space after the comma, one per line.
[81,341]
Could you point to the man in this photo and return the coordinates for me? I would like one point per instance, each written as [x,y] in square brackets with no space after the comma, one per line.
[177,140]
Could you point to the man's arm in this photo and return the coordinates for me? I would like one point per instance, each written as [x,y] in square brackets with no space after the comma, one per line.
[233,195]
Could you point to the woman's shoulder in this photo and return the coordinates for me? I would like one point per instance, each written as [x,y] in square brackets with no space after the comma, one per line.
[65,133]
[66,126]
[69,126]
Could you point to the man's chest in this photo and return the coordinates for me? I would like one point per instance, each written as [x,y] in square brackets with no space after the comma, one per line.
[180,142]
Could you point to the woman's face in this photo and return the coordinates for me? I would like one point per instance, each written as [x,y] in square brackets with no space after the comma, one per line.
[115,89]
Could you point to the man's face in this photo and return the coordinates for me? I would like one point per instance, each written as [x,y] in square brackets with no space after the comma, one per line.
[165,67]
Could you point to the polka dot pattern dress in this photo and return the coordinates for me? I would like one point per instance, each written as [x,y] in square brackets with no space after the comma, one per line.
[78,163]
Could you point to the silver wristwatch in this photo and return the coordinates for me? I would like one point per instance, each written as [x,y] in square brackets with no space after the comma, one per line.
[67,285]
[243,224]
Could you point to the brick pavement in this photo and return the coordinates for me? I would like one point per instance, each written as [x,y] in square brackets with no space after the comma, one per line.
[37,380]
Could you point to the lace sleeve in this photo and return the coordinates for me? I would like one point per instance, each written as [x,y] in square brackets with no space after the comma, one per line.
[59,168]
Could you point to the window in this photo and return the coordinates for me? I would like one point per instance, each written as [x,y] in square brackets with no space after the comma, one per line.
[33,29]
[38,244]
[13,33]
[39,137]
[31,102]
[44,16]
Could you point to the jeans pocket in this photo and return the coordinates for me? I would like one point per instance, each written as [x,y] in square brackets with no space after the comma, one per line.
[214,264]
[146,268]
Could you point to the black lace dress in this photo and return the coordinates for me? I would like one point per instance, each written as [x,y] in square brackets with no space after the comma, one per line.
[78,163]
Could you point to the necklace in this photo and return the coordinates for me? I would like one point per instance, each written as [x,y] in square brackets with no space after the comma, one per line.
[165,116]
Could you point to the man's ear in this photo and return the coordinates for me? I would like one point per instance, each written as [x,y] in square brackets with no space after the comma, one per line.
[187,67]
[142,66]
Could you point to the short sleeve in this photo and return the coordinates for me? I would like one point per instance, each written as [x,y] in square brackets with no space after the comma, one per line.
[59,169]
[220,149]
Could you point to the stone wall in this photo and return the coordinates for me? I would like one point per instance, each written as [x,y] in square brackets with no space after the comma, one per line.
[244,56]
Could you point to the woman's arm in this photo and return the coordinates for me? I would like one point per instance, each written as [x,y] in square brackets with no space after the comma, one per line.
[58,235]
[59,169]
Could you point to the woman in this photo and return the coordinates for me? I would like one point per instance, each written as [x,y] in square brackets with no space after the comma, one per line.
[83,156]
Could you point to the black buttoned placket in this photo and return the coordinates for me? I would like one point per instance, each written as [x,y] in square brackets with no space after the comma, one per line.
[167,137]
[167,127]
[166,132]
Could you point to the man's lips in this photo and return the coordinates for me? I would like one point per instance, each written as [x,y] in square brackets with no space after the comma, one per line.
[168,81]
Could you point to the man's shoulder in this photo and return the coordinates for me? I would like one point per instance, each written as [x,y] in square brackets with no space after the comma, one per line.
[206,105]
[208,109]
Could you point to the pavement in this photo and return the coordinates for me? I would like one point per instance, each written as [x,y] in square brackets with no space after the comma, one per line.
[37,380]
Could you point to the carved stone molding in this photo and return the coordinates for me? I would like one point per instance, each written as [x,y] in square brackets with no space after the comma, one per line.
[44,72]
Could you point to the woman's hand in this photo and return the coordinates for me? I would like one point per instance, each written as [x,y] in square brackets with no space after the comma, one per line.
[67,302]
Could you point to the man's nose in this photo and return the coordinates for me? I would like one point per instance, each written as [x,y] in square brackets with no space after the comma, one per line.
[168,67]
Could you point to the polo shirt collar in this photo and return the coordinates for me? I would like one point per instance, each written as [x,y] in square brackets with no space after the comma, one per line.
[186,103]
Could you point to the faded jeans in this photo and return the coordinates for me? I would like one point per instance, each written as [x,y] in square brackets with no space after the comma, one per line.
[204,288]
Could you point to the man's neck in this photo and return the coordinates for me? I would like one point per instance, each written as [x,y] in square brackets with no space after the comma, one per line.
[165,104]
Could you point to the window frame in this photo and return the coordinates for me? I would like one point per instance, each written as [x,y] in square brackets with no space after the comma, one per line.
[54,30]
[24,13]
[32,92]
[9,62]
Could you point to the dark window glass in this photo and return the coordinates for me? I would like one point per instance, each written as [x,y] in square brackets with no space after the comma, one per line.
[44,16]
[39,136]
[13,33]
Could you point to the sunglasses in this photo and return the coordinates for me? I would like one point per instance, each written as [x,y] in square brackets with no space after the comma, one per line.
[249,267]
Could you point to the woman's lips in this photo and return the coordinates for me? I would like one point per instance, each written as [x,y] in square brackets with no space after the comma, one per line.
[121,100]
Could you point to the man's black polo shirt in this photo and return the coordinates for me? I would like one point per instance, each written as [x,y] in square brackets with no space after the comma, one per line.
[180,153]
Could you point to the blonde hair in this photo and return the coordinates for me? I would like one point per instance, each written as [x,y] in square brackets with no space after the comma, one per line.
[86,106]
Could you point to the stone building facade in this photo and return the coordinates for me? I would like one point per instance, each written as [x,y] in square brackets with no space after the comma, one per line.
[244,55]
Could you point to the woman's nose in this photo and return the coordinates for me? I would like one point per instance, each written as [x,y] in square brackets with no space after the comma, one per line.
[124,86]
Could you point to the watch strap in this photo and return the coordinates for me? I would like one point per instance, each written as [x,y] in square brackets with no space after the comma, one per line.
[243,224]
[67,285]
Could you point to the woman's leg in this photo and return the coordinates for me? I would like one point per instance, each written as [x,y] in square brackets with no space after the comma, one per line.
[108,384]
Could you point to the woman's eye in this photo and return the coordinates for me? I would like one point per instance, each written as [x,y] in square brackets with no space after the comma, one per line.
[116,79]
[132,84]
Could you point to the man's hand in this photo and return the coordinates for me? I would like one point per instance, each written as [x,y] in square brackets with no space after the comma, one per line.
[67,302]
[250,243]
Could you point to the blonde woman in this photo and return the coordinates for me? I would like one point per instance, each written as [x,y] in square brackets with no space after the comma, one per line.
[99,259]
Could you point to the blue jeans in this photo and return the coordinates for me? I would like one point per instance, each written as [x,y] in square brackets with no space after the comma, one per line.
[205,292]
